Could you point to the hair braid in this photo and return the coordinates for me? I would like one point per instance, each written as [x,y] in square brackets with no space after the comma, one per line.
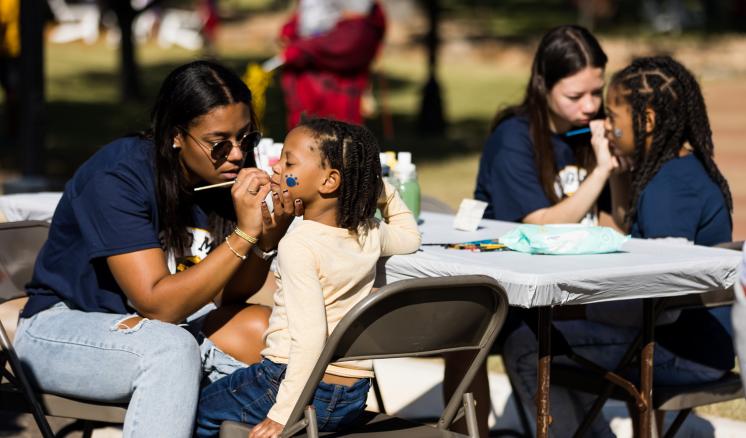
[667,88]
[353,151]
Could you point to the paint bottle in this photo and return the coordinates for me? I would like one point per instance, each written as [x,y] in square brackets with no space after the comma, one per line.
[408,187]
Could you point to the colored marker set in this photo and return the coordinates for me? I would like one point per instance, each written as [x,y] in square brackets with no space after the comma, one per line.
[487,245]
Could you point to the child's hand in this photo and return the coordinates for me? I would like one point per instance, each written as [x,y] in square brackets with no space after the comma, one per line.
[274,225]
[604,159]
[267,429]
[385,197]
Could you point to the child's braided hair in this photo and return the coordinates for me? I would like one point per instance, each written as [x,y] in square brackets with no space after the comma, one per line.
[671,91]
[353,150]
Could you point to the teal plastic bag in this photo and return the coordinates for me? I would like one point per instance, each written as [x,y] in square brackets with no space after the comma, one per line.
[563,239]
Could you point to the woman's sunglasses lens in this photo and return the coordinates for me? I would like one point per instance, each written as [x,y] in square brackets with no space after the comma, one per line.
[250,141]
[221,150]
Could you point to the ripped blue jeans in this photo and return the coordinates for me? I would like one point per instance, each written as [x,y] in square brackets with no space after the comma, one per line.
[154,365]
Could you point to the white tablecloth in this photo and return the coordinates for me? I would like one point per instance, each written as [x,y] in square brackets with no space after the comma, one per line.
[645,268]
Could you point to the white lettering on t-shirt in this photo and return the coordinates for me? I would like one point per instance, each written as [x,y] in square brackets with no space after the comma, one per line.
[201,246]
[567,183]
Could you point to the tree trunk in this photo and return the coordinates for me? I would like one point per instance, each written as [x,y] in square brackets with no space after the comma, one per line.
[431,120]
[31,88]
[130,76]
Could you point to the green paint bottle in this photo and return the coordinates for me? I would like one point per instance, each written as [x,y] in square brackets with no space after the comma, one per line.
[408,187]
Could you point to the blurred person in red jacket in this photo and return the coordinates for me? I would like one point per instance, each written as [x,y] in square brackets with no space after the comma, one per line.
[328,47]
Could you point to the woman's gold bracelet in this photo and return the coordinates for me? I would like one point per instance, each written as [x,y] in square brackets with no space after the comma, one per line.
[252,240]
[242,257]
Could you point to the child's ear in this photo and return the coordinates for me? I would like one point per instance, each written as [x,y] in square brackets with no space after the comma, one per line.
[331,183]
[649,120]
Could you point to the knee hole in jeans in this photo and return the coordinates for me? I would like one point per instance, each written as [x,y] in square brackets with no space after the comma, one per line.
[129,324]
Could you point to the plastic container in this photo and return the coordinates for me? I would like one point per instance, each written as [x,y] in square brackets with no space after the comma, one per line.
[407,185]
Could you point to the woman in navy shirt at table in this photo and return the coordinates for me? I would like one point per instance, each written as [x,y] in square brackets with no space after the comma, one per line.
[533,169]
[656,116]
[133,251]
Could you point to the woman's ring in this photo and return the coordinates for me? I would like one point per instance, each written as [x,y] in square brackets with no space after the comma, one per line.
[253,192]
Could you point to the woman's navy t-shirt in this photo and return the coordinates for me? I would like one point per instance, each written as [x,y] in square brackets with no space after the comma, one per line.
[109,207]
[508,179]
[681,200]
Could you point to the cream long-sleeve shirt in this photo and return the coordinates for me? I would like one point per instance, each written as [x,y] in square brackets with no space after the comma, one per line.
[322,272]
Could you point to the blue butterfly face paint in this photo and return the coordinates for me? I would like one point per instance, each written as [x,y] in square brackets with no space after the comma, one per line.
[291,180]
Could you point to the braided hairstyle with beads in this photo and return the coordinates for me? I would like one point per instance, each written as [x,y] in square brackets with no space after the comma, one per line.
[667,88]
[353,151]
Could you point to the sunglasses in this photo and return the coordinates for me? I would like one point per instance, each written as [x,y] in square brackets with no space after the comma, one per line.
[220,150]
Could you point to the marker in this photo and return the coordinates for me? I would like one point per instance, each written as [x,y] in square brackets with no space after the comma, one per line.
[576,132]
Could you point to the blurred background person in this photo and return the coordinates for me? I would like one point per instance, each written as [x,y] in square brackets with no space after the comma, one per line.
[328,47]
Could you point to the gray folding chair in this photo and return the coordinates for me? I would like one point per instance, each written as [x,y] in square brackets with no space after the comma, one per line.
[19,244]
[680,398]
[408,318]
[434,205]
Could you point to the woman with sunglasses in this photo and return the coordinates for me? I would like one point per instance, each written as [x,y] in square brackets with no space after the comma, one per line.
[133,251]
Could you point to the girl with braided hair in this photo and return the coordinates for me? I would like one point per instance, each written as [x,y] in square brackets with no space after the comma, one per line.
[326,264]
[656,117]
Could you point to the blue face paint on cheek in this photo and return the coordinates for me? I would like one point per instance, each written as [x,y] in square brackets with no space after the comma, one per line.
[291,180]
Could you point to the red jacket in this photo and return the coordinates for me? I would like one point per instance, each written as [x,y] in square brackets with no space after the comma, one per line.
[348,48]
[326,75]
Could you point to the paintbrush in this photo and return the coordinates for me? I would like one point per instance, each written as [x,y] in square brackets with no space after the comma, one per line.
[212,186]
[576,132]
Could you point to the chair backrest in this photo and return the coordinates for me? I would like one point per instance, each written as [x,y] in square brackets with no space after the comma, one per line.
[417,317]
[20,243]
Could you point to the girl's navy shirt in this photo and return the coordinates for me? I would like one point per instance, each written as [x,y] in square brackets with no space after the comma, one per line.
[109,207]
[681,200]
[508,179]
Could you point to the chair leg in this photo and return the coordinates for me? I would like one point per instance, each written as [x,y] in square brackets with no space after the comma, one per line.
[378,395]
[312,429]
[677,422]
[471,415]
[25,386]
[76,426]
[87,430]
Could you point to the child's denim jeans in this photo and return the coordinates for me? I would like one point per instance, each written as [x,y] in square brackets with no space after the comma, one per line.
[248,394]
